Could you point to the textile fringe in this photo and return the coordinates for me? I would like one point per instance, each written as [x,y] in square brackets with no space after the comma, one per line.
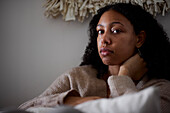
[81,9]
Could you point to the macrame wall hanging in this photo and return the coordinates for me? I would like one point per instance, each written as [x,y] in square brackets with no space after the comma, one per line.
[81,9]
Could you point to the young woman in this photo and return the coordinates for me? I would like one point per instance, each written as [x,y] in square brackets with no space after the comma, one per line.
[128,51]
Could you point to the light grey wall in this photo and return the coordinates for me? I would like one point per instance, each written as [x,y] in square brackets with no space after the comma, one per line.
[165,21]
[35,50]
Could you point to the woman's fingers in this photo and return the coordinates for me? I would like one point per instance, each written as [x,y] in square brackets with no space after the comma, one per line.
[134,67]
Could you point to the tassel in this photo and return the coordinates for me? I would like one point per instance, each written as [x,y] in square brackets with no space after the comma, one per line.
[81,9]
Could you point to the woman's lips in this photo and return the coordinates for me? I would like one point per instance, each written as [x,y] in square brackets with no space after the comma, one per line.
[105,51]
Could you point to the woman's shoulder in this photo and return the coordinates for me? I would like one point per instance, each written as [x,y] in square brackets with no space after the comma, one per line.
[75,75]
[81,71]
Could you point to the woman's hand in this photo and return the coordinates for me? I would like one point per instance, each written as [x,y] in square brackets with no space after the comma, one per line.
[134,67]
[73,100]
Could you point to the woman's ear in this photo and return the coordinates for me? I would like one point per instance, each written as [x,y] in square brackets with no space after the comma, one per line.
[140,39]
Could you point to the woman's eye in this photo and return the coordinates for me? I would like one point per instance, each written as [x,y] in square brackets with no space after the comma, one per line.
[100,31]
[115,31]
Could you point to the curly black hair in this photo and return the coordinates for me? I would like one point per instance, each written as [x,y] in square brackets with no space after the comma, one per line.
[155,50]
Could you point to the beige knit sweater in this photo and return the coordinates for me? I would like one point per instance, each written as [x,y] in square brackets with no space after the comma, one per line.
[82,81]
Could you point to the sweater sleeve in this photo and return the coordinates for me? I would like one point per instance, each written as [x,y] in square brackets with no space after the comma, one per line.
[120,85]
[164,87]
[54,95]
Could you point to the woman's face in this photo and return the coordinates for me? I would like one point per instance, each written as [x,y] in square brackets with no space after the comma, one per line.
[116,39]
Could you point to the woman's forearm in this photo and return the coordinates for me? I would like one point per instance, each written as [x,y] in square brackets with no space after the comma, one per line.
[73,100]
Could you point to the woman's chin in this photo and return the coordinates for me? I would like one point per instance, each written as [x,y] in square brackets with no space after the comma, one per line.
[110,61]
[107,62]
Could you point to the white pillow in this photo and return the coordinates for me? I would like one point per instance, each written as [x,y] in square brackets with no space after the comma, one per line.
[145,101]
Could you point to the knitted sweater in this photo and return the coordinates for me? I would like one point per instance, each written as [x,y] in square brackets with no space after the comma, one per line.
[82,81]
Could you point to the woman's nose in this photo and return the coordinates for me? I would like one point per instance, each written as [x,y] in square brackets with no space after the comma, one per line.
[106,38]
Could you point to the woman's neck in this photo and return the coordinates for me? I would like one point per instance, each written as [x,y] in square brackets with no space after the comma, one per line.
[113,69]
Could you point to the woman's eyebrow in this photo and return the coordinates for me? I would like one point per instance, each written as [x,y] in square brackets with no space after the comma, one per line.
[100,25]
[116,23]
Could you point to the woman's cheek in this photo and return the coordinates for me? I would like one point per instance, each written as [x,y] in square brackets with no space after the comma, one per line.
[99,42]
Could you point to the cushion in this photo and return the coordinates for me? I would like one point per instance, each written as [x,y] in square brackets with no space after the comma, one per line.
[145,101]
